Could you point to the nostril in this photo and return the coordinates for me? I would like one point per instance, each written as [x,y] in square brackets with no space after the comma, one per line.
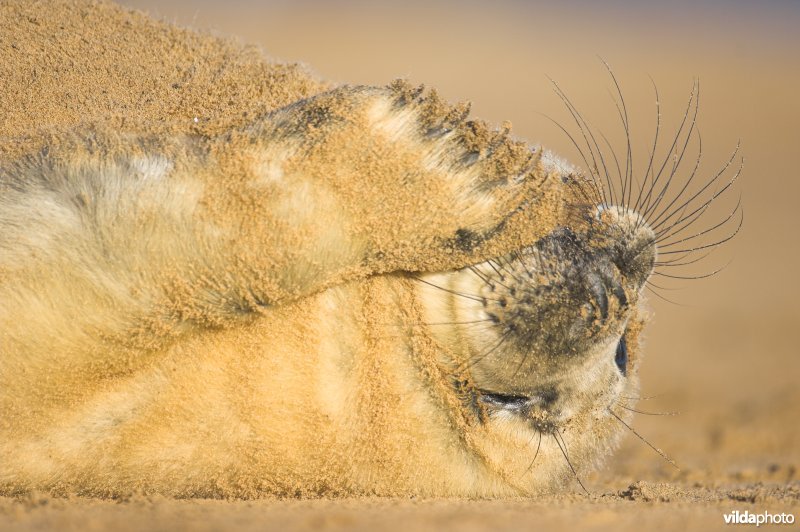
[619,292]
[629,242]
[636,257]
[641,264]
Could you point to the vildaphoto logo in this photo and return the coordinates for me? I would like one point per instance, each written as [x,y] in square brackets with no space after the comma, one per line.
[764,518]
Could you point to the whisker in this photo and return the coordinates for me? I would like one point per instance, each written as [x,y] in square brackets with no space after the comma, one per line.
[499,274]
[647,397]
[489,282]
[649,169]
[426,324]
[657,218]
[628,181]
[538,446]
[412,329]
[713,197]
[676,161]
[682,223]
[566,457]
[586,129]
[658,287]
[521,261]
[648,413]
[467,296]
[491,265]
[616,160]
[714,244]
[675,261]
[471,362]
[592,197]
[659,296]
[647,199]
[622,180]
[656,449]
[701,233]
[575,144]
[692,277]
[506,267]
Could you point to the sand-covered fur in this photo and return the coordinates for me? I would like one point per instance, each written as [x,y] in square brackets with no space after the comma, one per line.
[209,278]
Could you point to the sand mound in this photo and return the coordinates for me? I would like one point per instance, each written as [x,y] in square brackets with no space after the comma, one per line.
[71,62]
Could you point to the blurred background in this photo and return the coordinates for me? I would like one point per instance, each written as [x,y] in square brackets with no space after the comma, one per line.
[725,354]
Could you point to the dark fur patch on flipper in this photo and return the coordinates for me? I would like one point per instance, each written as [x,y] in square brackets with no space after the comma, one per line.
[500,156]
[466,240]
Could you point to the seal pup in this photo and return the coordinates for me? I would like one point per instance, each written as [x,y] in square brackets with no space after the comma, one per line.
[225,318]
[361,292]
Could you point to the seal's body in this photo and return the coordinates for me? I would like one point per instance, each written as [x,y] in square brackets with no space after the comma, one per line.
[229,318]
[361,292]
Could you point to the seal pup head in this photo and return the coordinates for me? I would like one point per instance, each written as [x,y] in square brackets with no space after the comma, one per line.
[561,308]
[543,343]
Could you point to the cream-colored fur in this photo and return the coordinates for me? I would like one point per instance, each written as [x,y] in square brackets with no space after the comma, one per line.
[237,306]
[159,325]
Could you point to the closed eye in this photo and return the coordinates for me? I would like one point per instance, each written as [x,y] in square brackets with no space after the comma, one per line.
[499,400]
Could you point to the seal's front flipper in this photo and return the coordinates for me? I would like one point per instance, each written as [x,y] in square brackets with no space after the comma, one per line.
[364,180]
[156,235]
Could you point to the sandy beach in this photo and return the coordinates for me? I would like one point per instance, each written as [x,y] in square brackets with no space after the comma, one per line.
[721,354]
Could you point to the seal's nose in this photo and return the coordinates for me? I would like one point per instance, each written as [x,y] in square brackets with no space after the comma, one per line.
[629,242]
